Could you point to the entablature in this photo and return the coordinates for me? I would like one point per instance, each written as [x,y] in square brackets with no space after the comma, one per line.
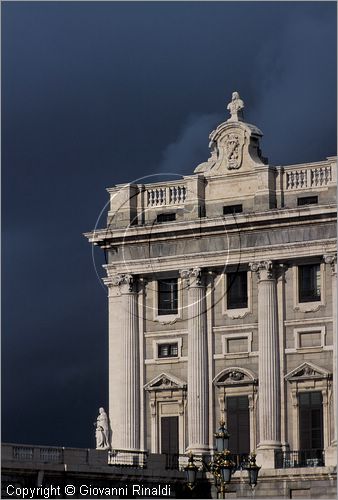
[219,259]
[271,219]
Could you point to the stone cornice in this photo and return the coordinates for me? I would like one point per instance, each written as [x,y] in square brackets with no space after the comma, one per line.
[223,258]
[248,222]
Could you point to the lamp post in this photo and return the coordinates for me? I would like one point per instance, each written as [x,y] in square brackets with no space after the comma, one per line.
[191,472]
[221,466]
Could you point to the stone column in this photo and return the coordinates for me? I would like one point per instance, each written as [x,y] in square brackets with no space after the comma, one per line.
[124,366]
[269,366]
[198,437]
[331,260]
[281,298]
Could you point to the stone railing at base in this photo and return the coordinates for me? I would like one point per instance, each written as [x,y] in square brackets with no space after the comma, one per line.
[128,458]
[90,467]
[40,454]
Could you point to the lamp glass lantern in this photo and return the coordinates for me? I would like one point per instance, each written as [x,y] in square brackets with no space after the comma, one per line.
[191,471]
[226,467]
[226,471]
[222,438]
[253,470]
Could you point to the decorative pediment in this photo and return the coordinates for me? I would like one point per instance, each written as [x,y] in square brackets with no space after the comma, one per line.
[235,375]
[165,382]
[234,144]
[307,370]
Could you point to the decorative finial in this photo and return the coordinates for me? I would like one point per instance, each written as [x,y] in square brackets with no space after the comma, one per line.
[235,107]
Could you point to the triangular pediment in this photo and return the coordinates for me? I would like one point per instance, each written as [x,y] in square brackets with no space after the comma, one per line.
[165,382]
[307,370]
[235,375]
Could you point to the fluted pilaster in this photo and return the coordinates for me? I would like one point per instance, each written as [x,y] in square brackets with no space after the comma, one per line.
[197,361]
[331,260]
[269,369]
[124,380]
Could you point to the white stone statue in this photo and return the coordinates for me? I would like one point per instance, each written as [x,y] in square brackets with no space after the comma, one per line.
[235,107]
[102,431]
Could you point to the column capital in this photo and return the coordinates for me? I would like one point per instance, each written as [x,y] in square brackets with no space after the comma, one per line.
[193,276]
[264,269]
[331,259]
[124,282]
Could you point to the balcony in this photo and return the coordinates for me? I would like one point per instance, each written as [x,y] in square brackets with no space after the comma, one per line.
[299,458]
[179,461]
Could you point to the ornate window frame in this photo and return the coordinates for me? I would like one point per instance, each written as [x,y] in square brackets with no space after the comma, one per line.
[167,397]
[166,319]
[239,335]
[241,312]
[309,377]
[170,340]
[305,350]
[238,381]
[308,306]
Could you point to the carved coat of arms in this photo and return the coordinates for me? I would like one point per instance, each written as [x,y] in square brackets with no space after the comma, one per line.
[233,150]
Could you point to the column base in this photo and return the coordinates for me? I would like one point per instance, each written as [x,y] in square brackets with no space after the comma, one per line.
[331,454]
[285,447]
[198,449]
[266,454]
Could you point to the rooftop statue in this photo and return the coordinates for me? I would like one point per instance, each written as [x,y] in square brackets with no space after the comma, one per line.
[235,107]
[102,431]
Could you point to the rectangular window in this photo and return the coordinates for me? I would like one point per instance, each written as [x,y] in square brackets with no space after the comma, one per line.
[168,350]
[232,209]
[167,217]
[307,200]
[237,290]
[310,420]
[309,283]
[167,296]
[238,424]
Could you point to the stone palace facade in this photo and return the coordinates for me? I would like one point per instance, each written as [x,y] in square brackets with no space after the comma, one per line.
[222,291]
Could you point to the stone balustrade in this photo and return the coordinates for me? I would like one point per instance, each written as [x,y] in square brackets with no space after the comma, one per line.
[307,177]
[171,194]
[36,453]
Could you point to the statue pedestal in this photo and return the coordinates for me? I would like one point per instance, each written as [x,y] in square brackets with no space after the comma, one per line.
[98,457]
[331,455]
[266,458]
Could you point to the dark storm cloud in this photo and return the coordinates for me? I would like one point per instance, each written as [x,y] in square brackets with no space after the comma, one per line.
[182,156]
[100,93]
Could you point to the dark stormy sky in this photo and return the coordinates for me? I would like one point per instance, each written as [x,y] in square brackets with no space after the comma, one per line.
[100,93]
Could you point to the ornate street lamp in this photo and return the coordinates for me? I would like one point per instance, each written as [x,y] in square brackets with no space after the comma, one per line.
[221,466]
[253,470]
[222,438]
[226,467]
[191,472]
